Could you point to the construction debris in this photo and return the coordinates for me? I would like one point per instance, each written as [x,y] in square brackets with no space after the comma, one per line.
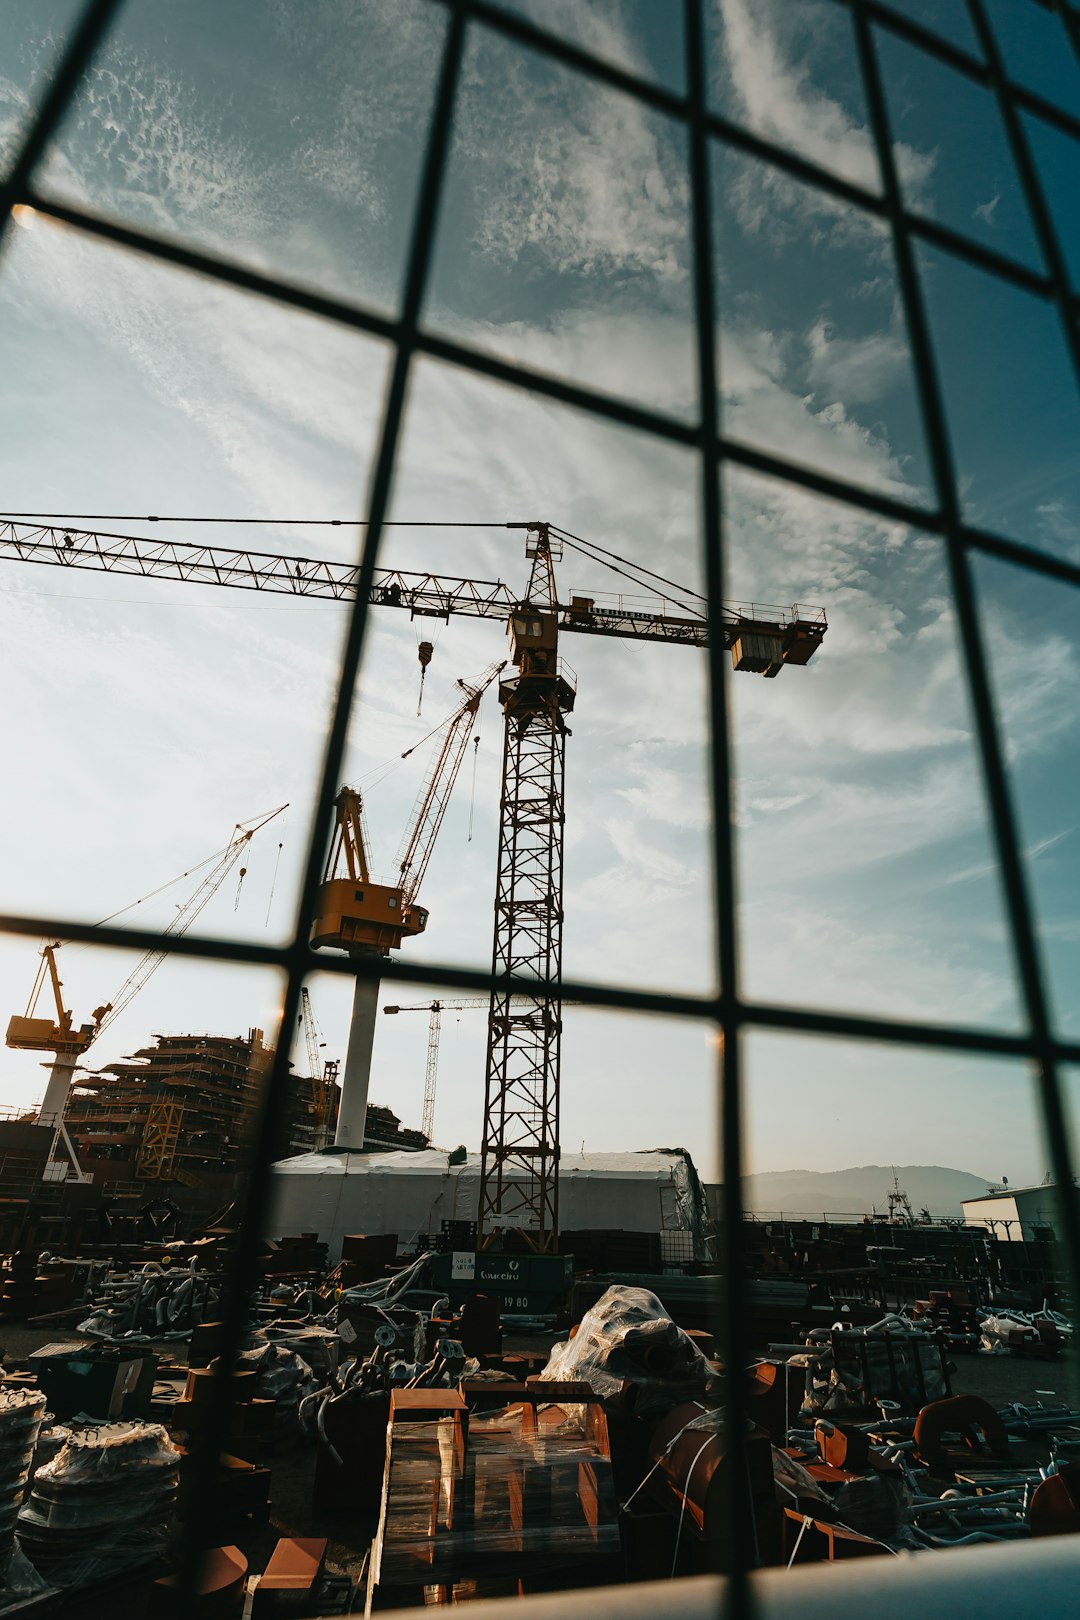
[480,1455]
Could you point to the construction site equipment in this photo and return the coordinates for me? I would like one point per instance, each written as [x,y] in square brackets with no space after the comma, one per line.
[68,1045]
[478,1505]
[435,1009]
[355,914]
[323,1076]
[103,1504]
[21,1412]
[520,1153]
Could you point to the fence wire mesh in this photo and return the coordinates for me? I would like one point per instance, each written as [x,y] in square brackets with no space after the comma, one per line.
[729,1011]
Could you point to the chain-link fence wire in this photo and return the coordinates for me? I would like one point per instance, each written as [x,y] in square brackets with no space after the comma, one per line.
[964,541]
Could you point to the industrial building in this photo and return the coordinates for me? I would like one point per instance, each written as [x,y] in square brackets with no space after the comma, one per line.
[179,1112]
[412,1195]
[1018,1214]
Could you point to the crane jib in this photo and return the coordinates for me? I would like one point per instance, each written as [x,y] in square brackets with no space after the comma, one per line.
[420,594]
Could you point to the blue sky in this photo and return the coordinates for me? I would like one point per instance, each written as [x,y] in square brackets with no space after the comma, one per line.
[146,718]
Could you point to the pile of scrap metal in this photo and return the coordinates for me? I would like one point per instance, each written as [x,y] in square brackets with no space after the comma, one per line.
[951,1312]
[858,1447]
[153,1303]
[872,1453]
[1043,1334]
[850,1370]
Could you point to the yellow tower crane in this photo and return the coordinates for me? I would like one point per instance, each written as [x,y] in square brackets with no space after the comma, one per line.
[323,1075]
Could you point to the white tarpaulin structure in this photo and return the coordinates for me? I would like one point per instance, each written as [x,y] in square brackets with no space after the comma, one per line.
[336,1193]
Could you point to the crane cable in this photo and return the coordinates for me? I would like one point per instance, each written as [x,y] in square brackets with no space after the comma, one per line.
[273,886]
[476,751]
[588,548]
[39,982]
[605,560]
[593,546]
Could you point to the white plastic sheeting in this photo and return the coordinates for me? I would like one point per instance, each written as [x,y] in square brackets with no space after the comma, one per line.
[338,1193]
[628,1337]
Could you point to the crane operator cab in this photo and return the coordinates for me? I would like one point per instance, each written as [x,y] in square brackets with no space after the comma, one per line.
[355,915]
[352,913]
[534,650]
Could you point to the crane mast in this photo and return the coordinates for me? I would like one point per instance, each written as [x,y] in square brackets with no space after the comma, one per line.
[519,1152]
[520,1147]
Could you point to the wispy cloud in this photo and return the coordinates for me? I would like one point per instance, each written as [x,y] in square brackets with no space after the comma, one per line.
[985,211]
[1033,853]
[765,59]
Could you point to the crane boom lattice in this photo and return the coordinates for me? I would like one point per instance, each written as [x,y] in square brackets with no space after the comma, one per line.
[435,791]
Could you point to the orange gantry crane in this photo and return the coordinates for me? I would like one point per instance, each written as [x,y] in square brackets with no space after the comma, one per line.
[58,1035]
[519,1184]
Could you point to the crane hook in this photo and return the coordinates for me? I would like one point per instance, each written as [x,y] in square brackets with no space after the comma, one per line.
[423,653]
[239,886]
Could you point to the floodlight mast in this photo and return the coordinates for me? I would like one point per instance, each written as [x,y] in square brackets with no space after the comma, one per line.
[519,1197]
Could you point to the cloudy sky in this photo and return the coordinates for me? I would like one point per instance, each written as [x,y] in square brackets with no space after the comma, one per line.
[143,719]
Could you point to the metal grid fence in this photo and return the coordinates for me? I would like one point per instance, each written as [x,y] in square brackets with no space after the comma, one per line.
[964,542]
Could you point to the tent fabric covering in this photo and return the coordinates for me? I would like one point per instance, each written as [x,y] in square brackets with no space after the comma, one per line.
[336,1192]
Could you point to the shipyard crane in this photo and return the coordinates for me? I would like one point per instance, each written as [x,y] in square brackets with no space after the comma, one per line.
[520,1149]
[323,1075]
[68,1044]
[355,914]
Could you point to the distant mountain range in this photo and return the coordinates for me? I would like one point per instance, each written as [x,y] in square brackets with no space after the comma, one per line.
[859,1190]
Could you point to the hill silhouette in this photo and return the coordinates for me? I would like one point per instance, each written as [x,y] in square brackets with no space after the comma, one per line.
[861,1189]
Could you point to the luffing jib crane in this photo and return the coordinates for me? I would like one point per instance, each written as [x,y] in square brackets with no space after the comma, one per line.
[519,1186]
[27,1033]
[355,914]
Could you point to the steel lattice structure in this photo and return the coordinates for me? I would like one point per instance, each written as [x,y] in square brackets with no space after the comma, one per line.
[521,1099]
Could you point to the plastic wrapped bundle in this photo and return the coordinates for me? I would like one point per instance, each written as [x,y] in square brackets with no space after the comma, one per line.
[104,1503]
[51,1440]
[21,1412]
[628,1338]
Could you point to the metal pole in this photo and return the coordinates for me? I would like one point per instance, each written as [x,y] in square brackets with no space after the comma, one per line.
[352,1110]
[61,1075]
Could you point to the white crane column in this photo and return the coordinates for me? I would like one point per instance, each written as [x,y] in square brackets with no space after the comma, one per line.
[61,1078]
[356,1078]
